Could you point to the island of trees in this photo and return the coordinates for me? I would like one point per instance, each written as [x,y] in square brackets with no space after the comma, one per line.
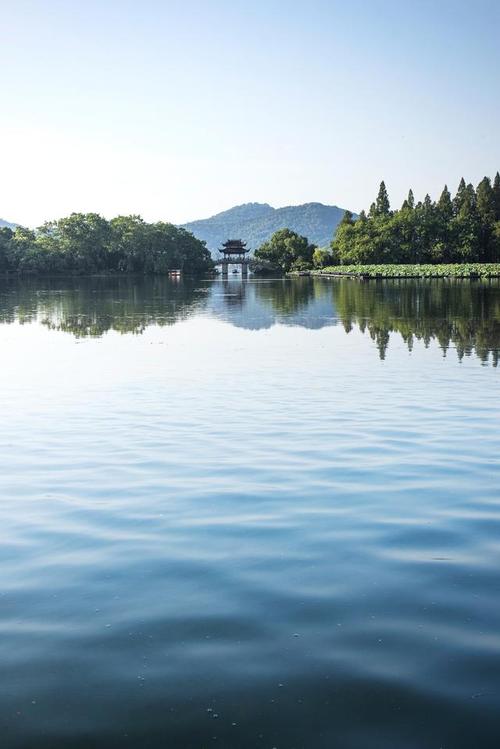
[458,230]
[86,243]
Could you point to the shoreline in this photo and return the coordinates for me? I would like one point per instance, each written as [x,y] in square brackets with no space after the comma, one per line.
[469,271]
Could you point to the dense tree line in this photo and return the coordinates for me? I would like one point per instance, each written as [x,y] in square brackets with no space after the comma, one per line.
[88,243]
[465,228]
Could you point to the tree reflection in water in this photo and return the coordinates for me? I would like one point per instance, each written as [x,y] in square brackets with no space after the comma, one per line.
[464,315]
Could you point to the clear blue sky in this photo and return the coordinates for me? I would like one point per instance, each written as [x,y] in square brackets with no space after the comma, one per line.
[177,110]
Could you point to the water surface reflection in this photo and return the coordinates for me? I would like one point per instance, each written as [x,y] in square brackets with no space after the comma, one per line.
[463,315]
[225,522]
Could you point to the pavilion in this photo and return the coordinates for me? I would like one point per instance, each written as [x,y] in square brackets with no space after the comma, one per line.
[234,253]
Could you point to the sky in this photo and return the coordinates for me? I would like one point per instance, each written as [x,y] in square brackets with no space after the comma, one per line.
[176,110]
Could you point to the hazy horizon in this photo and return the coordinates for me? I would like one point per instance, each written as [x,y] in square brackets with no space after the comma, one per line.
[178,111]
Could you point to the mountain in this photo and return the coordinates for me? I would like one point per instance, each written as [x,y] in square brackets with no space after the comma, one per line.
[256,222]
[6,224]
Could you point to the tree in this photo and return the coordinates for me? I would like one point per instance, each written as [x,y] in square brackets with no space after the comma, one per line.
[485,202]
[382,205]
[495,243]
[463,229]
[344,239]
[496,195]
[128,243]
[445,205]
[485,199]
[444,215]
[86,243]
[459,198]
[404,228]
[286,250]
[6,235]
[467,228]
[347,219]
[425,231]
[409,203]
[322,257]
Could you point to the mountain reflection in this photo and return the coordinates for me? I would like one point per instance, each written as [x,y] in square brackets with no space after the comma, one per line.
[462,315]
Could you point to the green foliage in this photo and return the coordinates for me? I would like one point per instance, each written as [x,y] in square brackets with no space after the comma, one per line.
[88,243]
[485,201]
[496,195]
[382,205]
[409,203]
[465,229]
[322,257]
[286,251]
[428,270]
[5,243]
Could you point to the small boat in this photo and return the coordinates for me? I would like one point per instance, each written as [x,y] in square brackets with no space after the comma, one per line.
[235,270]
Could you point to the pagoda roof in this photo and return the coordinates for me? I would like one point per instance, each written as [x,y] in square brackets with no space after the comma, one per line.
[234,245]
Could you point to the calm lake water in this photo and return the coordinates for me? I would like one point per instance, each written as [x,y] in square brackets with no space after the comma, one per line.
[241,515]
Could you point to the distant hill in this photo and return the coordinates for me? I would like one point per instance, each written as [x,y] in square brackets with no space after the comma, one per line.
[6,224]
[256,222]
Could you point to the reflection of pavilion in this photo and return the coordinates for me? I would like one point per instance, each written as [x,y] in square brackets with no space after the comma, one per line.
[461,316]
[234,253]
[234,292]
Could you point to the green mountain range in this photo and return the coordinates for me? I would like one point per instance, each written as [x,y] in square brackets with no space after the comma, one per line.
[6,224]
[256,222]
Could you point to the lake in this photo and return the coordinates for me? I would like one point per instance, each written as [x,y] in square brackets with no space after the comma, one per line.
[238,515]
